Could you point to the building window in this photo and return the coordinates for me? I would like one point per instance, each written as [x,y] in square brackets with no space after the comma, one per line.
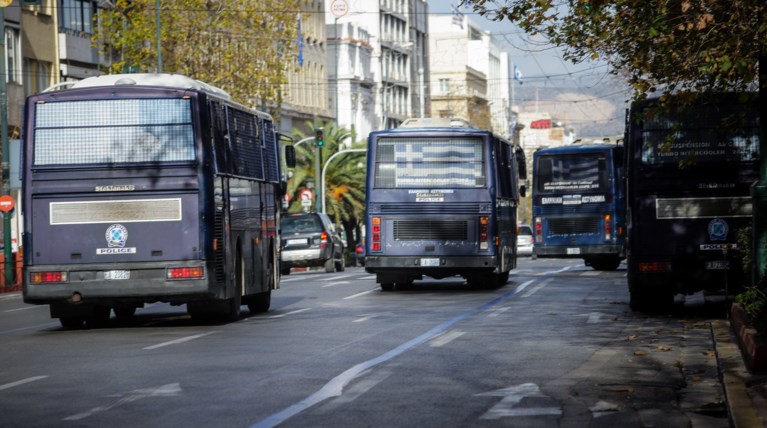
[12,55]
[444,86]
[77,15]
[37,76]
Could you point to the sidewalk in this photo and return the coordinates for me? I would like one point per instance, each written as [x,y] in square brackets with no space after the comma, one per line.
[746,392]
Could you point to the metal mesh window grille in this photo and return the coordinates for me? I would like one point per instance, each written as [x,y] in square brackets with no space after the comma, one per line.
[245,140]
[271,152]
[113,132]
[445,162]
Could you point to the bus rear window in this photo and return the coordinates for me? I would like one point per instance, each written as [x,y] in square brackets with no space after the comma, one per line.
[569,173]
[116,131]
[434,162]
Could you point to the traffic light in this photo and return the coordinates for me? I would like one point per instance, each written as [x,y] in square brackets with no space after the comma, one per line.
[319,137]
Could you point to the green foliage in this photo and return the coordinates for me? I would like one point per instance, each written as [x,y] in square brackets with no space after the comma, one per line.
[754,302]
[241,47]
[670,44]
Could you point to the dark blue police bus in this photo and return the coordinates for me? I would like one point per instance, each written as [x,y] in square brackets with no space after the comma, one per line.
[441,201]
[691,160]
[579,206]
[148,188]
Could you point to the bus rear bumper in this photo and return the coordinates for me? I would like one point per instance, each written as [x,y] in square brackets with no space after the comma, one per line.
[435,267]
[145,282]
[578,251]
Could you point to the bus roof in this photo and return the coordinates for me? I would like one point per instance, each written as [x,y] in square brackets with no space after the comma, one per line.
[578,148]
[145,79]
[436,122]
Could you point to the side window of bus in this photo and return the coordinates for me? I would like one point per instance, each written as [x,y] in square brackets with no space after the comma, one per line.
[219,140]
[502,166]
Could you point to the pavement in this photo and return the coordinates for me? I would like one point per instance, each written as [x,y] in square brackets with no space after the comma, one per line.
[746,392]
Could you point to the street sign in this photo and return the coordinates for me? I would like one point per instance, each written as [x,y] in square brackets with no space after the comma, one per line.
[339,8]
[6,203]
[306,197]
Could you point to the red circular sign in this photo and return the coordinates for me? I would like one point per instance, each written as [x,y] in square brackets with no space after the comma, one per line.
[6,203]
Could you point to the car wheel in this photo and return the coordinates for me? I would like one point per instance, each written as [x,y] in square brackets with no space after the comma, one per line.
[341,264]
[330,265]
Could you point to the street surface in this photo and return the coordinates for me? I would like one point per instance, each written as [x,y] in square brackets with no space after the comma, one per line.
[556,346]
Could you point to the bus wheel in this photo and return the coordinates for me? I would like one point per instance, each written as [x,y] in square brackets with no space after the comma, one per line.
[260,302]
[607,263]
[124,313]
[100,317]
[387,286]
[503,278]
[232,305]
[72,323]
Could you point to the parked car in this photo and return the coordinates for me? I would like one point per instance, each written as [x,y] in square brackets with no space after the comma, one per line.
[360,254]
[524,240]
[310,240]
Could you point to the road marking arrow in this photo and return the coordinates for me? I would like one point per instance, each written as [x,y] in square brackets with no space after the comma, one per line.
[512,396]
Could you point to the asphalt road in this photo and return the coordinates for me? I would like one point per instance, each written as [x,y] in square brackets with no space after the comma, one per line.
[556,346]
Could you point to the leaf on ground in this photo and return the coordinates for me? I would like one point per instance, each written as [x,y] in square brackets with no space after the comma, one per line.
[640,353]
[664,348]
[711,354]
[631,337]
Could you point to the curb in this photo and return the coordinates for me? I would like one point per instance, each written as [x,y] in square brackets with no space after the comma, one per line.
[735,378]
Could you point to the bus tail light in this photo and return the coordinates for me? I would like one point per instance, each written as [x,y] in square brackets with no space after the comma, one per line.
[484,224]
[376,226]
[608,229]
[655,267]
[186,273]
[47,277]
[538,230]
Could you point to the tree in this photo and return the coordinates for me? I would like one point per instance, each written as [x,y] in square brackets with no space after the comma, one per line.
[344,178]
[658,45]
[241,47]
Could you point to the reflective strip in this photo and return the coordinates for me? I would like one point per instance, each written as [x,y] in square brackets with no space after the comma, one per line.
[125,211]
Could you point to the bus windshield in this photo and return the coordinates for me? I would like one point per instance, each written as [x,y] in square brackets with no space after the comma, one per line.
[565,173]
[113,131]
[701,134]
[432,162]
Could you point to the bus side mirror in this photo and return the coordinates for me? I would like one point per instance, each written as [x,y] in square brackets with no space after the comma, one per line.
[523,190]
[290,156]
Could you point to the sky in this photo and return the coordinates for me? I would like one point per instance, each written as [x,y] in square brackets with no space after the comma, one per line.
[585,94]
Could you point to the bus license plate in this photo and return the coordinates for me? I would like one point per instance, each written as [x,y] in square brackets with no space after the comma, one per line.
[718,265]
[571,251]
[117,274]
[429,262]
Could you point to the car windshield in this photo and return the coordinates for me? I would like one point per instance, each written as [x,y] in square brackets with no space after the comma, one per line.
[525,231]
[301,224]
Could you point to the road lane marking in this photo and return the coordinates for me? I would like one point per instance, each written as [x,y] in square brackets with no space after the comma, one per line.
[21,382]
[354,296]
[446,338]
[169,390]
[335,387]
[333,278]
[335,283]
[363,319]
[179,340]
[289,313]
[31,327]
[10,296]
[591,273]
[512,396]
[554,272]
[535,289]
[498,311]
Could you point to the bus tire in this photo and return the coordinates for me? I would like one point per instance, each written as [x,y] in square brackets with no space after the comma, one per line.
[260,302]
[99,318]
[72,323]
[606,263]
[387,286]
[124,313]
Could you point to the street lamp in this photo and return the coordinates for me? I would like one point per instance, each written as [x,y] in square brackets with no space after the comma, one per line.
[322,180]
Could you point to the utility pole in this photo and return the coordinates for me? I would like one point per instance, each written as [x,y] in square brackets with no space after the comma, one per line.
[159,36]
[7,250]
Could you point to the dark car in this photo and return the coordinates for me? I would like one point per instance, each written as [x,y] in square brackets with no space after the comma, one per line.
[310,240]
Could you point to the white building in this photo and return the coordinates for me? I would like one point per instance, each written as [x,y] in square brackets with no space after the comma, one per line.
[469,74]
[396,33]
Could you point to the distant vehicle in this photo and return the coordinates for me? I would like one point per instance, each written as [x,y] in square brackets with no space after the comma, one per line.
[141,188]
[310,240]
[689,177]
[524,240]
[441,201]
[360,254]
[579,204]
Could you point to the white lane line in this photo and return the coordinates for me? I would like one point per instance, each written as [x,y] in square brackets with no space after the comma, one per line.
[363,319]
[179,340]
[25,308]
[297,311]
[354,296]
[21,382]
[291,279]
[169,390]
[591,273]
[498,311]
[533,290]
[335,283]
[31,327]
[446,338]
[10,296]
[335,387]
[333,278]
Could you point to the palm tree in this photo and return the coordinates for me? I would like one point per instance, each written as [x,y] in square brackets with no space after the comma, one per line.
[344,178]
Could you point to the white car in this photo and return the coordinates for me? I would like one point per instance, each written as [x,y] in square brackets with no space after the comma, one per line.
[524,240]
